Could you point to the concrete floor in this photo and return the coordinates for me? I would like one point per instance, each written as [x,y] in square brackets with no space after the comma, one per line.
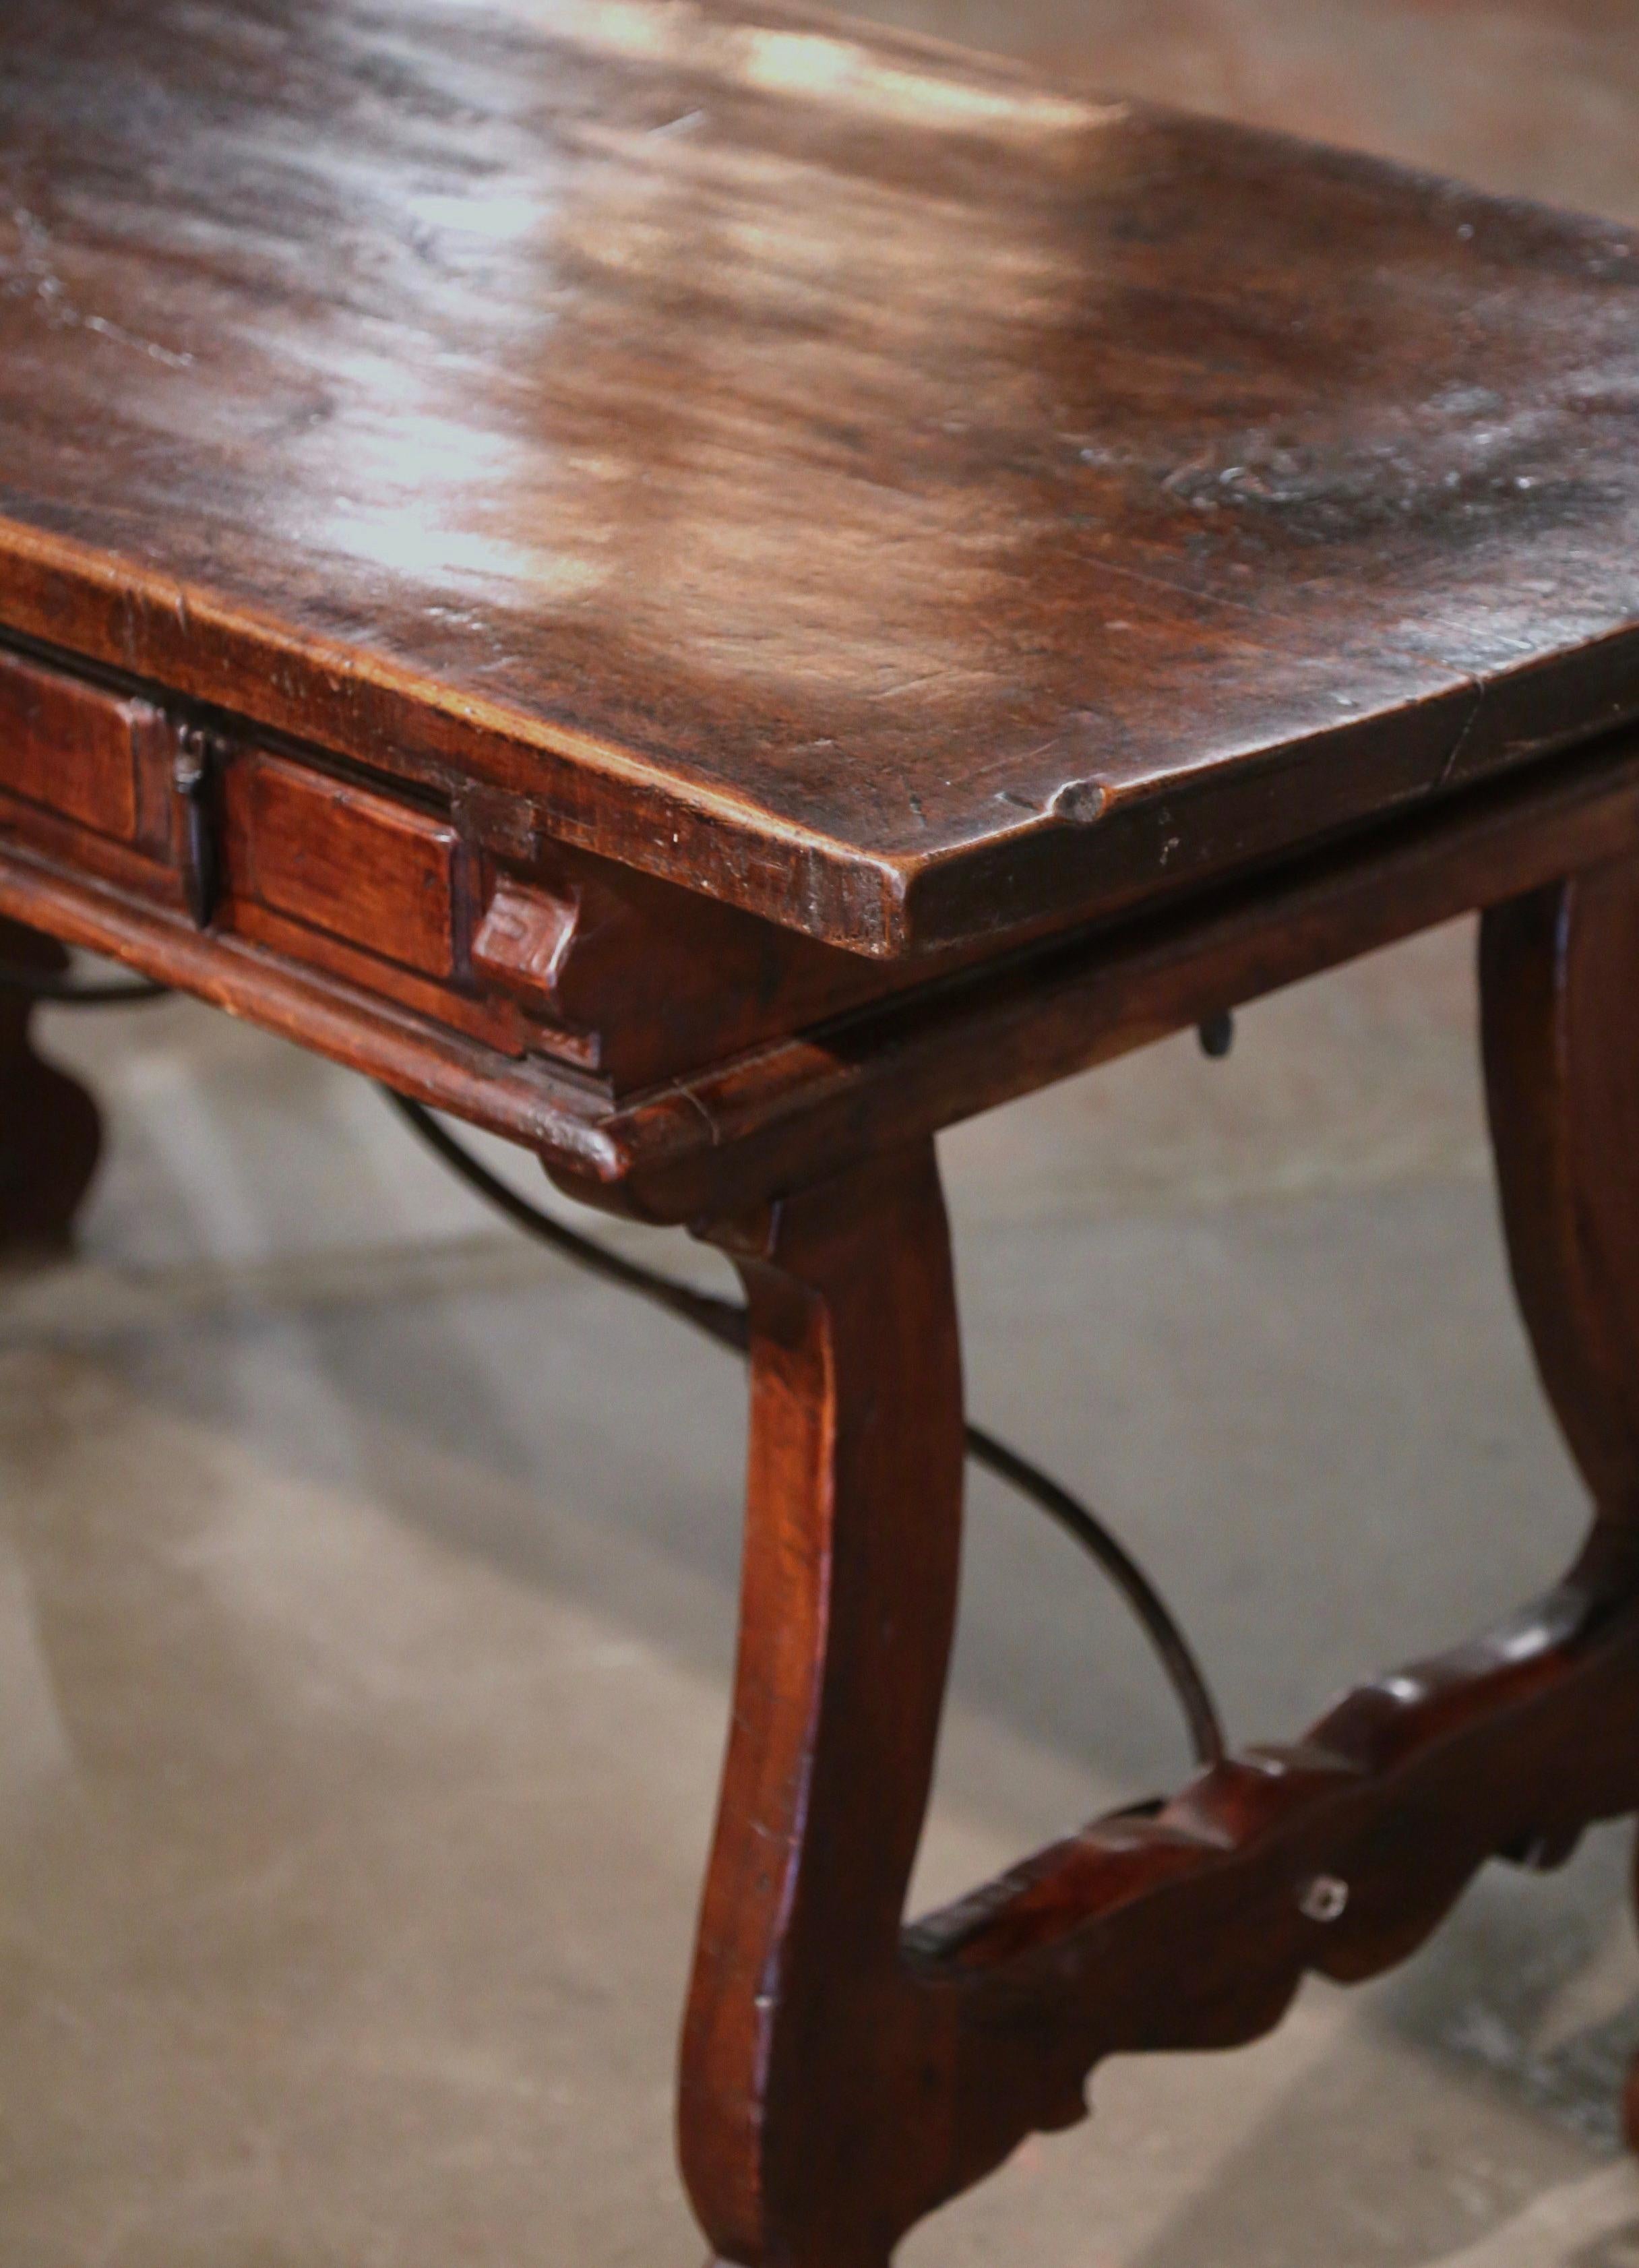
[366,1578]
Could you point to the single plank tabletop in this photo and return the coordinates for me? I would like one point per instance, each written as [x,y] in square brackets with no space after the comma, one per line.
[896,494]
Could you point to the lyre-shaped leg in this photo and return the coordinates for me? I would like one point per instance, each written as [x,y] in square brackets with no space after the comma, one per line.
[1559,988]
[794,2081]
[843,2075]
[50,1133]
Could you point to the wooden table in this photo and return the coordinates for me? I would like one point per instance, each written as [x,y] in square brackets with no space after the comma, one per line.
[714,590]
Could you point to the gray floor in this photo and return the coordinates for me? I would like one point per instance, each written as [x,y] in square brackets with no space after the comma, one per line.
[366,1581]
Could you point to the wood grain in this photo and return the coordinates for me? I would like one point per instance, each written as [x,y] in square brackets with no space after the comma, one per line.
[1562,1057]
[990,1033]
[642,981]
[75,748]
[844,2074]
[343,859]
[854,479]
[791,1110]
[1557,974]
[794,2073]
[732,590]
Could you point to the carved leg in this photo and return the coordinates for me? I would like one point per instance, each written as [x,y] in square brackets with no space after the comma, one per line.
[796,2081]
[842,2075]
[1560,995]
[1559,985]
[50,1133]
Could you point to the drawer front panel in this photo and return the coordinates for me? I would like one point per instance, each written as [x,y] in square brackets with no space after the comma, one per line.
[77,749]
[343,860]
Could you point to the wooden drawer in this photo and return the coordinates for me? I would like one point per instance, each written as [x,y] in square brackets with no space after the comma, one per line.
[378,875]
[90,756]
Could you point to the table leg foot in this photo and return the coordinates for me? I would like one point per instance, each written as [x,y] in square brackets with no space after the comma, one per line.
[50,1129]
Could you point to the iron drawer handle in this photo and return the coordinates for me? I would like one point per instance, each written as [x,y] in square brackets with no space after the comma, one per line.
[193,775]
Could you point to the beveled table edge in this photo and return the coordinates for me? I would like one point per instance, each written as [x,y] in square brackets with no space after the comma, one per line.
[102,610]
